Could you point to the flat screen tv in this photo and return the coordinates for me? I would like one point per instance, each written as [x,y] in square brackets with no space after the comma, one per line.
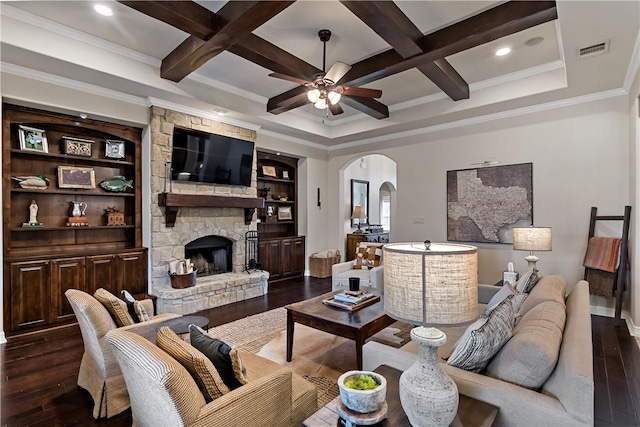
[206,157]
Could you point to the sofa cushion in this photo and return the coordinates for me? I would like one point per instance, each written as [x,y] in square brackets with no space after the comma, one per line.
[223,356]
[199,366]
[531,354]
[504,292]
[528,280]
[115,306]
[549,288]
[484,338]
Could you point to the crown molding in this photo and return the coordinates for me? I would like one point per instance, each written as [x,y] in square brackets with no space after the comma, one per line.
[486,118]
[208,81]
[200,113]
[634,66]
[54,27]
[69,83]
[292,139]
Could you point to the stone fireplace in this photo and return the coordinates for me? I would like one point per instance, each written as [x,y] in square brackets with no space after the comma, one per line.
[210,255]
[221,228]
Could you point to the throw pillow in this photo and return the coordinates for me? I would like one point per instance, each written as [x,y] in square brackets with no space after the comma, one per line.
[130,300]
[141,312]
[549,288]
[367,256]
[484,338]
[528,280]
[198,365]
[360,260]
[115,306]
[223,356]
[531,354]
[504,292]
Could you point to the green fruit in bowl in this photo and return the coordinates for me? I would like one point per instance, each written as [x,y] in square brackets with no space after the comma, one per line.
[362,382]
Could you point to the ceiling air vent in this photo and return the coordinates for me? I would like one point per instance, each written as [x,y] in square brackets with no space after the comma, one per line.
[593,50]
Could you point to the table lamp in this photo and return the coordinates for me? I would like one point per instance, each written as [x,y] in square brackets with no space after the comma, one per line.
[358,214]
[430,284]
[531,239]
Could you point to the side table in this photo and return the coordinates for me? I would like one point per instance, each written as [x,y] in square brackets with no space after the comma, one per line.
[471,412]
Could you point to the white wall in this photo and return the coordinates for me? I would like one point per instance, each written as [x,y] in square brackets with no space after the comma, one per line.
[580,159]
[633,293]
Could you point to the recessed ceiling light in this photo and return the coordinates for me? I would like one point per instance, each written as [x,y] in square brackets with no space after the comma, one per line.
[103,10]
[534,41]
[503,51]
[83,116]
[221,112]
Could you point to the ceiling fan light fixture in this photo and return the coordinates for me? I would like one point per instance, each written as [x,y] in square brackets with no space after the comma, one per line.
[334,97]
[321,104]
[313,95]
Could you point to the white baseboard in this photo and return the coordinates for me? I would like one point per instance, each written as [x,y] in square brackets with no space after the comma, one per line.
[634,330]
[3,340]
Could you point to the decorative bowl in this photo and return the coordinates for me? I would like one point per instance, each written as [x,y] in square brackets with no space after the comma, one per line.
[363,401]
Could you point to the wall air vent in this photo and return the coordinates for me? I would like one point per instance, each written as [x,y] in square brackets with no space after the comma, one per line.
[593,50]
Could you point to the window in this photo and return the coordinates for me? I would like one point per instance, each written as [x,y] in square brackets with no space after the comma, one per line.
[385,210]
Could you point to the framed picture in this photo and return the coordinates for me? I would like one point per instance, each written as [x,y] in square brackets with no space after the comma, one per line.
[359,197]
[76,177]
[32,139]
[269,171]
[114,149]
[285,174]
[77,146]
[484,204]
[284,213]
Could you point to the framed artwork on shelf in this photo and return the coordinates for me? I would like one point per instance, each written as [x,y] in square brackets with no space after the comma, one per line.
[114,149]
[77,146]
[284,213]
[285,174]
[269,171]
[76,177]
[32,139]
[484,204]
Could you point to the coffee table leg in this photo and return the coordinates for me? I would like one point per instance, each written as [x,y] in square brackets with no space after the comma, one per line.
[359,344]
[290,324]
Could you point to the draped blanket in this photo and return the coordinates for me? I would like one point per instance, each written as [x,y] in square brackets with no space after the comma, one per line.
[603,253]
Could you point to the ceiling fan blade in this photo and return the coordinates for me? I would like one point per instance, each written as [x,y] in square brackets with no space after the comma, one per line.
[289,78]
[361,91]
[337,71]
[336,109]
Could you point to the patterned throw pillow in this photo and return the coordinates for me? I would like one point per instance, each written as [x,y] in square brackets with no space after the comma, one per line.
[527,281]
[368,256]
[141,312]
[115,306]
[198,365]
[504,292]
[484,338]
[223,356]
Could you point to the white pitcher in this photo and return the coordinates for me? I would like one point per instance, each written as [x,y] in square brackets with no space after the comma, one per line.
[77,208]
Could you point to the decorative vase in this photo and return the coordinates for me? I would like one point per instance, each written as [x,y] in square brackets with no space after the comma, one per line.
[363,401]
[428,395]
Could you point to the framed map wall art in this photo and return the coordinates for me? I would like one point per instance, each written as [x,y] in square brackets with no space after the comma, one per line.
[484,204]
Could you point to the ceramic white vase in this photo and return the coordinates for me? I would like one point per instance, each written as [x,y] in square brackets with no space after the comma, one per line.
[428,395]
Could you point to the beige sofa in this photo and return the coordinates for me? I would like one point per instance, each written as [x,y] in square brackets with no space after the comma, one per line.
[566,398]
[163,393]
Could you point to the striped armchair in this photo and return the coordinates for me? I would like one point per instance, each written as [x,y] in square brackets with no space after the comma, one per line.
[163,393]
[99,372]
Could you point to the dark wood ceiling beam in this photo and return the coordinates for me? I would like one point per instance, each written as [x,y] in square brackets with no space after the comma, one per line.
[500,21]
[234,21]
[265,54]
[187,16]
[368,106]
[390,23]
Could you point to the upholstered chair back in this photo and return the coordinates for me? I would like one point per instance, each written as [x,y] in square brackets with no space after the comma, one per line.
[161,390]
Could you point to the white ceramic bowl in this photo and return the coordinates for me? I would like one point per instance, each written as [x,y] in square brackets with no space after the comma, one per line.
[363,401]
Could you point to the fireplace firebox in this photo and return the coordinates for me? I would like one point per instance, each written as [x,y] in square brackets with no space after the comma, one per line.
[210,255]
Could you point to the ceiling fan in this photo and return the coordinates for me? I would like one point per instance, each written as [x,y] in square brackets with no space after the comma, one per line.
[323,91]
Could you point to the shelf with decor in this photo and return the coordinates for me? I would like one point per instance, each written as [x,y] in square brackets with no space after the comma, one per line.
[69,221]
[281,250]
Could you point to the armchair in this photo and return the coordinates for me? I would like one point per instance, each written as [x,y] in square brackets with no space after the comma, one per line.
[163,393]
[99,372]
[369,256]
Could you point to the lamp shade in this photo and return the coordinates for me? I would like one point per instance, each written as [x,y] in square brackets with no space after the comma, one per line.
[358,213]
[532,238]
[435,286]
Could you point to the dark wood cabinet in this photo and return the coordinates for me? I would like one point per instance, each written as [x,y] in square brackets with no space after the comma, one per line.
[353,240]
[42,262]
[281,250]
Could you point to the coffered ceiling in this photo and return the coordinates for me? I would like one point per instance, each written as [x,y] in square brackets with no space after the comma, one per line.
[233,79]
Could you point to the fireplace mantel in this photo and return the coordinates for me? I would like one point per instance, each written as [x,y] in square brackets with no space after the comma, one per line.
[173,201]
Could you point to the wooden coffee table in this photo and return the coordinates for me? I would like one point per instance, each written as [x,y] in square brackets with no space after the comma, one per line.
[471,412]
[355,325]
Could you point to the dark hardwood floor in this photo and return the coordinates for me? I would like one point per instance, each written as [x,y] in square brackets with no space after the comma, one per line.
[39,371]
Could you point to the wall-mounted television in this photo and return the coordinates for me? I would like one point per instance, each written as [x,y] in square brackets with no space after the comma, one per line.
[210,158]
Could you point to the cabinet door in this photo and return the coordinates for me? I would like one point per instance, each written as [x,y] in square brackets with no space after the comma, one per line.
[298,256]
[352,243]
[132,272]
[286,257]
[270,257]
[29,294]
[102,273]
[66,273]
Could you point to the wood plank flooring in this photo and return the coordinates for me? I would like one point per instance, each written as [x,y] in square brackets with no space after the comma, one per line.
[39,370]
